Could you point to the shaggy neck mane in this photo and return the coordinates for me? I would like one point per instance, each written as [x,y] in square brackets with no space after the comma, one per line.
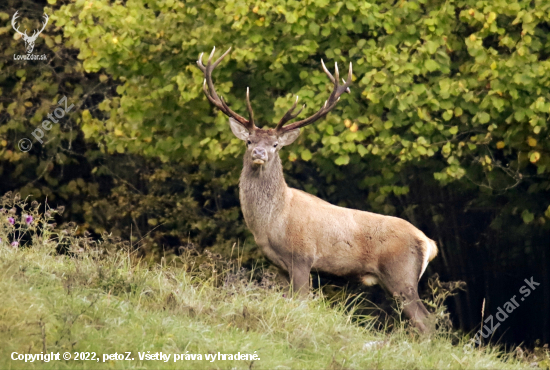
[262,192]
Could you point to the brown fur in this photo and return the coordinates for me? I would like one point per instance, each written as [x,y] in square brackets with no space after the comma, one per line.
[299,232]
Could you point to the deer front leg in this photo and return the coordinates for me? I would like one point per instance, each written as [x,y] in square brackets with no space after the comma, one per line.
[299,279]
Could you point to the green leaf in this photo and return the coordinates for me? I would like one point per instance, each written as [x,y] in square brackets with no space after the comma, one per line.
[527,216]
[380,77]
[306,155]
[362,150]
[431,65]
[458,112]
[314,28]
[483,117]
[342,160]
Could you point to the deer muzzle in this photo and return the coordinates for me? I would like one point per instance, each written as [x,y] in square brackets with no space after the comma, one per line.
[259,156]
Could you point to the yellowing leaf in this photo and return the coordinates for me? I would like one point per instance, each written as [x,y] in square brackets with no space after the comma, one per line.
[118,132]
[534,157]
[342,160]
[354,127]
[500,145]
[347,122]
[86,116]
[306,155]
[458,112]
[527,216]
[531,141]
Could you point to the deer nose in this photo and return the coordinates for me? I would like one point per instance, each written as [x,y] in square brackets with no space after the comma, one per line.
[259,153]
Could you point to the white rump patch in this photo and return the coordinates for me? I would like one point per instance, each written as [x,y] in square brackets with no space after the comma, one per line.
[369,280]
[426,250]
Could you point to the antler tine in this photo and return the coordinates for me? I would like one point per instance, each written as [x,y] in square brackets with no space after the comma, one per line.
[46,18]
[327,71]
[288,115]
[13,24]
[212,95]
[330,103]
[209,68]
[348,82]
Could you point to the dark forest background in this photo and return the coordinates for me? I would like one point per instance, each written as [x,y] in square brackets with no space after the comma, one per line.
[446,126]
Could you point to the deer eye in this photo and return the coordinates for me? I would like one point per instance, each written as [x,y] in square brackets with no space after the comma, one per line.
[248,142]
[275,145]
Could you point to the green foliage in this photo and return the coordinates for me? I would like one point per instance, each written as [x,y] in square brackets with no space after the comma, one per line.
[469,91]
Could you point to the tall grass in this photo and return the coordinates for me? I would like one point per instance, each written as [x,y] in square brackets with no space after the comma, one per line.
[61,293]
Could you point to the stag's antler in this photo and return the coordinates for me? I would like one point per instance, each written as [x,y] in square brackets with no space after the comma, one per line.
[35,35]
[329,104]
[17,29]
[218,101]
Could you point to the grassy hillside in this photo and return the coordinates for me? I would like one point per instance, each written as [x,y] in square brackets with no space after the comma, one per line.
[98,298]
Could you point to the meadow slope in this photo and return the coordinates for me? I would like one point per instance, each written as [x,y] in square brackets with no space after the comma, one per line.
[104,300]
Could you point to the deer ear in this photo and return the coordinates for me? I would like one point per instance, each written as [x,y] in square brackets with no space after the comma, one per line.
[289,137]
[238,130]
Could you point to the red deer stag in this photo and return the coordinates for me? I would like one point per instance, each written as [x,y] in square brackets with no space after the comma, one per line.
[300,232]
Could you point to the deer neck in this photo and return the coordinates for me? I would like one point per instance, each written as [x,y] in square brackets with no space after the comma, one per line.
[263,192]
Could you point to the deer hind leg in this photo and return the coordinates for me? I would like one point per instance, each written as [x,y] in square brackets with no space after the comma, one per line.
[399,276]
[414,309]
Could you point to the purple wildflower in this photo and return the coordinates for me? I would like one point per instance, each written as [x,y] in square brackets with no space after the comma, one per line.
[15,244]
[28,219]
[11,220]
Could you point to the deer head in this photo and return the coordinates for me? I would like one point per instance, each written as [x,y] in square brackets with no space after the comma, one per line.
[29,40]
[264,144]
